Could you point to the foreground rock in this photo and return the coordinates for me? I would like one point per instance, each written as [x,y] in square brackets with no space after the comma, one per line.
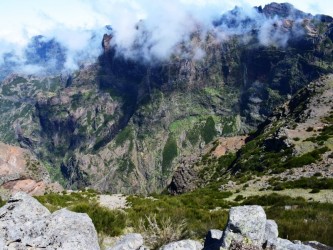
[183,245]
[26,224]
[248,229]
[129,242]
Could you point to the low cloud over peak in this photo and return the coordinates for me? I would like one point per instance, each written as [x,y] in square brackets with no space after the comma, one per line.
[59,35]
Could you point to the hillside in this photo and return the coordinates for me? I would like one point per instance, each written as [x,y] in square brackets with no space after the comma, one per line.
[126,124]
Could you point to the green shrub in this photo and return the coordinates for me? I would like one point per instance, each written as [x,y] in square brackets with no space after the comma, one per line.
[273,199]
[193,135]
[308,183]
[309,129]
[239,197]
[2,202]
[306,221]
[306,159]
[315,191]
[109,222]
[123,136]
[197,208]
[208,131]
[170,151]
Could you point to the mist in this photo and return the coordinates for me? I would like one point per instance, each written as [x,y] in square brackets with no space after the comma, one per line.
[141,30]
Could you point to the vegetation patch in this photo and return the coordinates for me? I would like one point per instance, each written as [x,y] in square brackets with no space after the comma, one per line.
[297,219]
[198,211]
[193,135]
[109,222]
[208,131]
[308,158]
[126,165]
[170,151]
[305,183]
[123,136]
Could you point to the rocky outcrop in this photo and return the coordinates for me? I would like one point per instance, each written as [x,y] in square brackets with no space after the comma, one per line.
[246,222]
[26,224]
[20,171]
[248,229]
[187,176]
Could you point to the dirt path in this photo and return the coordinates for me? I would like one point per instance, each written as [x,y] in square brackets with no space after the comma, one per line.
[114,201]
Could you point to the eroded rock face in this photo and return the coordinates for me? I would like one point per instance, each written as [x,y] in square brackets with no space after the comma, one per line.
[20,171]
[26,224]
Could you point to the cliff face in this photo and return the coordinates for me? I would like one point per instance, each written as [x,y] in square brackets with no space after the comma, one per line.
[21,171]
[125,124]
[295,142]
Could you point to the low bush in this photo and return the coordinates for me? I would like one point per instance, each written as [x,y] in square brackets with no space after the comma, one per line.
[2,202]
[106,221]
[305,183]
[306,159]
[158,233]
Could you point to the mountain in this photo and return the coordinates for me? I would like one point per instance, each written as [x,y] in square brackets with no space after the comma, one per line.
[125,124]
[21,171]
[294,143]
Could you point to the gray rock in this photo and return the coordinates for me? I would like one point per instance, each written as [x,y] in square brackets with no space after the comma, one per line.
[282,244]
[245,223]
[317,245]
[183,245]
[128,242]
[271,233]
[26,223]
[213,240]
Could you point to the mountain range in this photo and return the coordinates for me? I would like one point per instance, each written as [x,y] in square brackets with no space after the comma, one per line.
[133,123]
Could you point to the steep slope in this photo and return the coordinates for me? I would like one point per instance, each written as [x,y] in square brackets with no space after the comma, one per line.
[125,124]
[21,171]
[291,149]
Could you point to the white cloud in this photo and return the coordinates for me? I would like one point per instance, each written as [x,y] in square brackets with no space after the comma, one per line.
[78,24]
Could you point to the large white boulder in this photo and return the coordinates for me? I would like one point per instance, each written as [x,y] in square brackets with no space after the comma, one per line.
[26,224]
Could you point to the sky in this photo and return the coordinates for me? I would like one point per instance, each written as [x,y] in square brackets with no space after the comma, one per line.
[72,21]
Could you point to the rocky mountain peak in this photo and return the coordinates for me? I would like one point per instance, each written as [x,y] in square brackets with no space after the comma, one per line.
[283,10]
[106,42]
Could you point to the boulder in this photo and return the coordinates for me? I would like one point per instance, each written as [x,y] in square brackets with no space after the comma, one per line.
[213,240]
[128,242]
[245,223]
[317,245]
[271,233]
[283,244]
[183,245]
[248,229]
[25,223]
